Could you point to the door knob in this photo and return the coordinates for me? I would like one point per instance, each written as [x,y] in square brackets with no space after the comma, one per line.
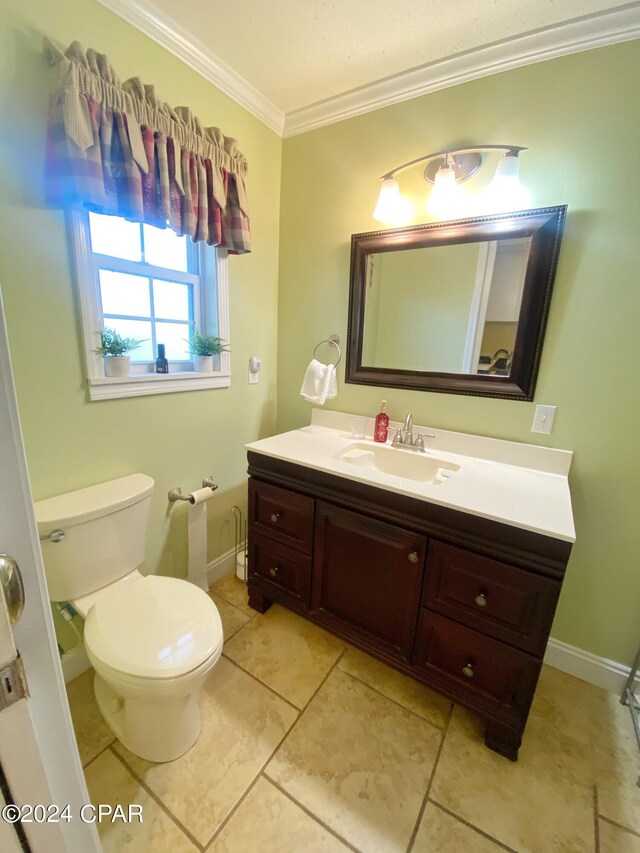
[413,557]
[12,587]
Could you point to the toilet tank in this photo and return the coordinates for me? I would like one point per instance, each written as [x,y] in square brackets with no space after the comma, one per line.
[104,527]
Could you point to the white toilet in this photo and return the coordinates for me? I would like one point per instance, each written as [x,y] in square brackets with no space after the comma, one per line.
[151,640]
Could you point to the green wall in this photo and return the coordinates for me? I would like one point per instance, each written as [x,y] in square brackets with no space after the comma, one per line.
[176,438]
[579,117]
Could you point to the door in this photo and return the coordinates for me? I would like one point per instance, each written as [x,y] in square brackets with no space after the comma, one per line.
[367,576]
[39,761]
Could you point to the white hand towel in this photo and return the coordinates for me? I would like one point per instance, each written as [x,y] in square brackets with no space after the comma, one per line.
[320,383]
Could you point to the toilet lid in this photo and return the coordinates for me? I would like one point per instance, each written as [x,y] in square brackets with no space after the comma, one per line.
[155,628]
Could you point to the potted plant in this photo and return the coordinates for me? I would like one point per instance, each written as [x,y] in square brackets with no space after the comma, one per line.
[203,348]
[114,348]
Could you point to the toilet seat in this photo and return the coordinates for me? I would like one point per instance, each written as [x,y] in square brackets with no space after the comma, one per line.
[155,627]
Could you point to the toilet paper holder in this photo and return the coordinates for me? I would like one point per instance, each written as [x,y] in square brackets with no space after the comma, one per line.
[176,494]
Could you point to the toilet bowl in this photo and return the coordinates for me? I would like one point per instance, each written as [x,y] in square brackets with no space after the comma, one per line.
[152,640]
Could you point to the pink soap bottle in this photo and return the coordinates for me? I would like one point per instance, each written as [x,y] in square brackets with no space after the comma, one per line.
[382,424]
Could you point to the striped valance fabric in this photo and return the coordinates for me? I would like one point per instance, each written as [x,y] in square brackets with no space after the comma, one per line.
[117,149]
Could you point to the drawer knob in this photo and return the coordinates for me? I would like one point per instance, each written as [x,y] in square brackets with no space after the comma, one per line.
[274,571]
[413,557]
[275,516]
[467,671]
[481,599]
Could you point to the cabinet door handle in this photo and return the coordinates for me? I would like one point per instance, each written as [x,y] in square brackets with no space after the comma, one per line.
[275,516]
[467,671]
[481,599]
[413,557]
[274,571]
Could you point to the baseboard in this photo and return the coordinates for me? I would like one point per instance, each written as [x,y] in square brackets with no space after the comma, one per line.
[223,565]
[74,663]
[602,672]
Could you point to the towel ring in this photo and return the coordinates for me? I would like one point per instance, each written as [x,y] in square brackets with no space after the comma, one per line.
[332,342]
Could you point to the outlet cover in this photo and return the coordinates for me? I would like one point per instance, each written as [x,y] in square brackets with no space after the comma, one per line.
[543,419]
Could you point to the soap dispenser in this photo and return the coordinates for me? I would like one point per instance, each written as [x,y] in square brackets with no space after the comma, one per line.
[382,424]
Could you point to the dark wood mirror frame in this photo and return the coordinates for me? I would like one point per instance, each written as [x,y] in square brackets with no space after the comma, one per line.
[544,226]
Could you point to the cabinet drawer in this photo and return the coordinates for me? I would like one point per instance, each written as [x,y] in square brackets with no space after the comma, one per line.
[278,568]
[283,515]
[503,601]
[480,670]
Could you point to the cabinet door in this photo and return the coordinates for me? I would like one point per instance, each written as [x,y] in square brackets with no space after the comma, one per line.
[367,577]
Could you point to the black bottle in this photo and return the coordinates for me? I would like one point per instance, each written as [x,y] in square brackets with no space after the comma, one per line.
[162,365]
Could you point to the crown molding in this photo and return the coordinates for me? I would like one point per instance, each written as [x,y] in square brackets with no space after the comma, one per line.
[145,17]
[591,31]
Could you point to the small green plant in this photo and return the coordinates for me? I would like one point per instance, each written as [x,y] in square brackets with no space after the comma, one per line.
[206,344]
[111,343]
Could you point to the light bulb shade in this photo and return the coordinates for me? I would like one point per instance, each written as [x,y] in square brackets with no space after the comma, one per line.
[445,200]
[505,192]
[391,208]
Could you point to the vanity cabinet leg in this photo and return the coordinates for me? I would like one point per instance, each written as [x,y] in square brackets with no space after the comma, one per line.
[503,739]
[258,600]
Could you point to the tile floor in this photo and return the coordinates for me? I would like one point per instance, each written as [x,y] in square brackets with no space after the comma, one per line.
[310,745]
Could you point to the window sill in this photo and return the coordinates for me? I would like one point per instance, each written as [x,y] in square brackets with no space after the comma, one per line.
[110,388]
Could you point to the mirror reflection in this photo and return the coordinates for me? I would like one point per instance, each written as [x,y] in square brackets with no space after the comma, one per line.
[448,308]
[455,307]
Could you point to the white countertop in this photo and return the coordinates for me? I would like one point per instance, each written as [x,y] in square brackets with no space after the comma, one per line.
[521,485]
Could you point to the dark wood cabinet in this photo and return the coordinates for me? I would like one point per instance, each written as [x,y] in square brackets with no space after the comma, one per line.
[460,603]
[367,577]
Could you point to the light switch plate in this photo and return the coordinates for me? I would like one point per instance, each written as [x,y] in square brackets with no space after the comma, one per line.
[543,419]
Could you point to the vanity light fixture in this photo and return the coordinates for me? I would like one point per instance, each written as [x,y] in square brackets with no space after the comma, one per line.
[446,170]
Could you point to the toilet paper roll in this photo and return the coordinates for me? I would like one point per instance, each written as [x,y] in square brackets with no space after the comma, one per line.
[200,495]
[241,566]
[197,537]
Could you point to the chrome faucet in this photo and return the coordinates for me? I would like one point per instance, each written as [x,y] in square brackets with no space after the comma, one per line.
[404,440]
[407,430]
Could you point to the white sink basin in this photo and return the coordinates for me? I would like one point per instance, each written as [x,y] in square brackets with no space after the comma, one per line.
[407,464]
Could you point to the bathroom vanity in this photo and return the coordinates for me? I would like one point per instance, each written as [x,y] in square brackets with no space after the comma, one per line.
[445,565]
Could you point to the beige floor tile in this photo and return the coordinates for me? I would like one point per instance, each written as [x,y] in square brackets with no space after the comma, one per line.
[270,822]
[551,780]
[441,833]
[109,782]
[581,710]
[358,762]
[92,733]
[233,590]
[597,720]
[613,839]
[286,652]
[402,689]
[232,618]
[617,775]
[242,724]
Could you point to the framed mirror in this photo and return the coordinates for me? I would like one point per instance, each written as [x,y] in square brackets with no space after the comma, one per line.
[458,307]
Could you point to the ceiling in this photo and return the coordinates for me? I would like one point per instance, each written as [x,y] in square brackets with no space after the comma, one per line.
[301,57]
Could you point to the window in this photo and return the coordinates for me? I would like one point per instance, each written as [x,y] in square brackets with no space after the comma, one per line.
[147,283]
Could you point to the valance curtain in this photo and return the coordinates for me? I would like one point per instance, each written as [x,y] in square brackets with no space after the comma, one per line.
[117,149]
